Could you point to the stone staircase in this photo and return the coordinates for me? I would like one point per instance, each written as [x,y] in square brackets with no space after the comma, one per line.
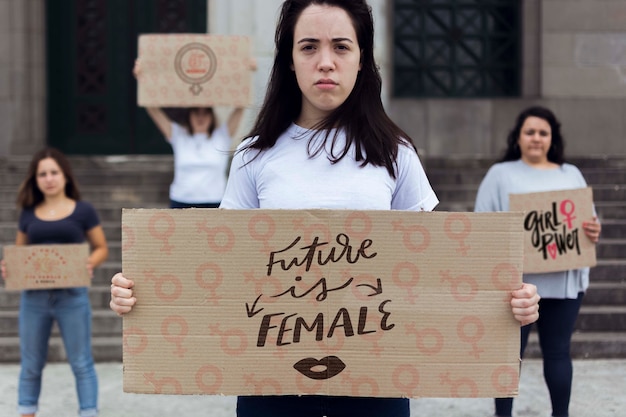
[601,326]
[116,182]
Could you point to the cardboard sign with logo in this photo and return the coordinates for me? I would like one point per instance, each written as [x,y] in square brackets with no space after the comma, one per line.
[331,302]
[194,70]
[38,267]
[554,236]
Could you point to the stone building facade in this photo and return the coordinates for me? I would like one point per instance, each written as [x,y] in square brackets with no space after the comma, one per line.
[573,59]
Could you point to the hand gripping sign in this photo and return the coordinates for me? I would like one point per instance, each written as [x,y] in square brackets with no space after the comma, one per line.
[358,303]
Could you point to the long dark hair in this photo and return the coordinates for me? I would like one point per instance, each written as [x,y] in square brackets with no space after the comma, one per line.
[367,127]
[187,120]
[29,194]
[557,147]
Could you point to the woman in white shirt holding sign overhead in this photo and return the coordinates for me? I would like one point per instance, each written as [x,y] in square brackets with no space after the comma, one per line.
[201,151]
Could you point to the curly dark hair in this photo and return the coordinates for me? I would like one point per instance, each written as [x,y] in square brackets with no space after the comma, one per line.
[557,148]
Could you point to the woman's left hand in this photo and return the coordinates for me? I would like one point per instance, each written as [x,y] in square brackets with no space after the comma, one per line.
[525,304]
[592,229]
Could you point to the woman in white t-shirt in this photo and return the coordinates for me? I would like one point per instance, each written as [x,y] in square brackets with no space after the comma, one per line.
[201,151]
[323,140]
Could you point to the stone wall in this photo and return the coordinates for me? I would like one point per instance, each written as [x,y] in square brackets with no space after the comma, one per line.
[22,76]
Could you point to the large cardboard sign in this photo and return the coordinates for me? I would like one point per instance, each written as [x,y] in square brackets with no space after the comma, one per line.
[38,267]
[554,237]
[193,70]
[358,303]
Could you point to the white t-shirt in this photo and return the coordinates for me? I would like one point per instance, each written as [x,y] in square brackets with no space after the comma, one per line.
[285,177]
[200,165]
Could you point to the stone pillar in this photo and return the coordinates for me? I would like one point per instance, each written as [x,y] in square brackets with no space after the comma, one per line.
[22,76]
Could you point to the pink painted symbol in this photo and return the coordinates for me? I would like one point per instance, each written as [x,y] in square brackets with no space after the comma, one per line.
[552,250]
[261,228]
[360,386]
[174,329]
[134,340]
[406,379]
[505,380]
[164,235]
[407,285]
[217,379]
[458,235]
[459,284]
[429,341]
[358,225]
[209,276]
[363,287]
[506,277]
[311,230]
[230,334]
[163,283]
[264,386]
[375,339]
[307,385]
[461,387]
[416,238]
[567,209]
[471,330]
[160,384]
[128,238]
[220,239]
[262,283]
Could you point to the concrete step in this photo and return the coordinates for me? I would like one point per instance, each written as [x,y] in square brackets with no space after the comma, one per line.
[611,248]
[603,318]
[586,345]
[609,270]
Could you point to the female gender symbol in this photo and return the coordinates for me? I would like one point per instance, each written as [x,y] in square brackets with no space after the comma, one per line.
[176,339]
[165,234]
[409,388]
[460,235]
[471,330]
[407,286]
[131,337]
[217,379]
[510,377]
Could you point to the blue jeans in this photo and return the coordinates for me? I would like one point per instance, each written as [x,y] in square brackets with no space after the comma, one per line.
[320,405]
[71,309]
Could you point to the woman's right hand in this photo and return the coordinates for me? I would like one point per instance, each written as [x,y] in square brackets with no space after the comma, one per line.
[137,68]
[122,300]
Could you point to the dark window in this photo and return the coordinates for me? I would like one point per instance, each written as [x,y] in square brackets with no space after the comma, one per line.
[457,48]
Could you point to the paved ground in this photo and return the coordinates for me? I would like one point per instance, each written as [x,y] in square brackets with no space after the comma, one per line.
[599,391]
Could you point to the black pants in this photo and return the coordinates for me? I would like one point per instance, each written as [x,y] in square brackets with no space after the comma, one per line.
[320,406]
[555,327]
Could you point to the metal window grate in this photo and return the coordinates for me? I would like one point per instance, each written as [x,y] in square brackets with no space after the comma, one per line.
[457,48]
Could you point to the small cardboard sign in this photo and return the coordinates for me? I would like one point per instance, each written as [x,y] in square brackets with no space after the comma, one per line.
[38,267]
[329,302]
[194,70]
[554,237]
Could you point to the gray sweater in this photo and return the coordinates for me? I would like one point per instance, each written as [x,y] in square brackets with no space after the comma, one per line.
[517,177]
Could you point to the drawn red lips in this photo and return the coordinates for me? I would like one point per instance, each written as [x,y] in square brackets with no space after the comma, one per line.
[333,366]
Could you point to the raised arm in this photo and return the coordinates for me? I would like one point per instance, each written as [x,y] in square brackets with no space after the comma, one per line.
[160,119]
